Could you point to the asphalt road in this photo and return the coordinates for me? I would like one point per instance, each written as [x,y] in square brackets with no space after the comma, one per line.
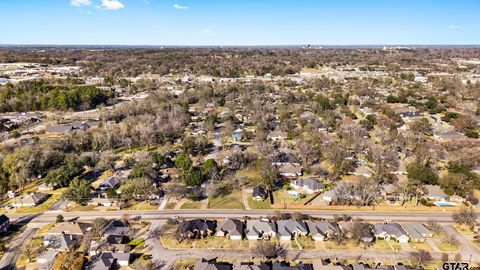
[168,257]
[10,257]
[50,216]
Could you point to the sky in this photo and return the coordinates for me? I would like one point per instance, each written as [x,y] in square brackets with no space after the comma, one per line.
[239,22]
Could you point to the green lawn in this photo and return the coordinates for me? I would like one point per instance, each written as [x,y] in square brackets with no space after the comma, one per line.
[254,204]
[418,246]
[214,242]
[232,201]
[381,245]
[447,247]
[141,206]
[306,242]
[184,264]
[396,246]
[281,197]
[41,207]
[191,205]
[44,229]
[349,244]
[465,229]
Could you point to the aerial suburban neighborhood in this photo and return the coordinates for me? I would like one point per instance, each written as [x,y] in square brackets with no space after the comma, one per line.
[210,157]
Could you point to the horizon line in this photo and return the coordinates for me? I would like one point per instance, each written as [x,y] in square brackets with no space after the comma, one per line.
[313,46]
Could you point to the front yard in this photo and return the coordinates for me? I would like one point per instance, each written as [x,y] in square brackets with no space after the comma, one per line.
[41,207]
[191,205]
[254,204]
[348,244]
[281,199]
[447,247]
[233,200]
[419,246]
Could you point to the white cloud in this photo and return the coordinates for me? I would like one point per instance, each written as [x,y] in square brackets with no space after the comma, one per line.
[453,26]
[112,4]
[78,3]
[178,6]
[207,33]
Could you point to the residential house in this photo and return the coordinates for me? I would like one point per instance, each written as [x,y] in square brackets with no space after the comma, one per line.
[65,235]
[285,158]
[196,228]
[329,196]
[61,242]
[290,170]
[117,227]
[435,193]
[288,229]
[45,187]
[237,134]
[259,193]
[230,228]
[251,266]
[211,265]
[4,223]
[107,202]
[110,243]
[309,184]
[320,231]
[361,266]
[59,129]
[108,261]
[278,135]
[362,170]
[332,267]
[417,231]
[109,183]
[74,228]
[260,229]
[84,125]
[287,266]
[389,193]
[390,231]
[31,199]
[347,228]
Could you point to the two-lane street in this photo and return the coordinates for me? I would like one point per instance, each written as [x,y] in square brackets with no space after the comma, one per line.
[50,216]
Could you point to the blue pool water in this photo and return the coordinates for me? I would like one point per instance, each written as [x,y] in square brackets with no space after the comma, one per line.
[440,203]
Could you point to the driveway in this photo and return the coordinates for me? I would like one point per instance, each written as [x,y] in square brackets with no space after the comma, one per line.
[470,253]
[10,257]
[245,195]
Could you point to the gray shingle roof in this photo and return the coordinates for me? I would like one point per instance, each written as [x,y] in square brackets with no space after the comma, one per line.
[287,227]
[255,227]
[322,228]
[231,226]
[310,183]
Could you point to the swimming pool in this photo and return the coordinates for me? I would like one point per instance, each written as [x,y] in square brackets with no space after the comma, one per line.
[442,203]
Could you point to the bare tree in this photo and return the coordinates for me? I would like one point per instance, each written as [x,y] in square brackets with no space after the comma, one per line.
[435,227]
[420,258]
[361,231]
[270,249]
[98,225]
[465,216]
[338,237]
[451,239]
